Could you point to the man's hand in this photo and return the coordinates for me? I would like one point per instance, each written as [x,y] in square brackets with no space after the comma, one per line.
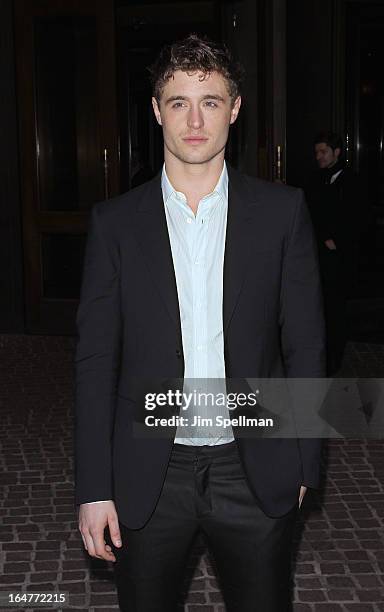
[330,244]
[93,518]
[303,491]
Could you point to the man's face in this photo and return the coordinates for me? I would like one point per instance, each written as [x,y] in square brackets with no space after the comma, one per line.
[195,116]
[326,157]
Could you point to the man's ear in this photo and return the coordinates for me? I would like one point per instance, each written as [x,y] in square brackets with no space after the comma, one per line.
[235,109]
[337,152]
[156,110]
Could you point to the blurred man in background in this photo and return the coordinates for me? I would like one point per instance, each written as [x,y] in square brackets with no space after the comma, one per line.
[337,204]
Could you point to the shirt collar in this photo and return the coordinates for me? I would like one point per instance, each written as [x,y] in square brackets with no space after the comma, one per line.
[221,188]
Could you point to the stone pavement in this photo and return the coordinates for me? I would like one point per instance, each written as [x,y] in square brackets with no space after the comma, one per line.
[339,552]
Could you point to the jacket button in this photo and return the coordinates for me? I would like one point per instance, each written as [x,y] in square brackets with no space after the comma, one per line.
[178,353]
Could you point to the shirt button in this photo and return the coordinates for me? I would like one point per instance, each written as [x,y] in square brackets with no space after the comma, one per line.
[189,220]
[199,347]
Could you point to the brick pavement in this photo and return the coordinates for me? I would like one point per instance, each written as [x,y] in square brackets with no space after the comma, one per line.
[339,552]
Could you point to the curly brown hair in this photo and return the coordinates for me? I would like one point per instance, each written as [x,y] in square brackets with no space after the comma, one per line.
[194,54]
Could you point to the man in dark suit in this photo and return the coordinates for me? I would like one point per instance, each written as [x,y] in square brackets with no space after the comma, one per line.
[201,274]
[338,208]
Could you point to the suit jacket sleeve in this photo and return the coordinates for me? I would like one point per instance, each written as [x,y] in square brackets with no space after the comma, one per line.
[97,363]
[302,322]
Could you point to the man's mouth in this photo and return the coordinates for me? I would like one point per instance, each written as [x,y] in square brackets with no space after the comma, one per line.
[194,139]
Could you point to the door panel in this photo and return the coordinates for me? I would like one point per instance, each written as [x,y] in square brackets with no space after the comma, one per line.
[68,147]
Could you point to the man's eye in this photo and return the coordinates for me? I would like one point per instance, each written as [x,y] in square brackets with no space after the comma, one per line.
[211,104]
[177,104]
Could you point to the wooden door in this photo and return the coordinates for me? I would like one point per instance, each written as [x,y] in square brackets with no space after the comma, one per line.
[68,143]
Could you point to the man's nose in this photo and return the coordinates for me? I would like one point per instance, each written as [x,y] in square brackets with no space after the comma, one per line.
[195,118]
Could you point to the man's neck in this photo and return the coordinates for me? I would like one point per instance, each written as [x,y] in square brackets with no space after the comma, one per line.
[194,180]
[334,163]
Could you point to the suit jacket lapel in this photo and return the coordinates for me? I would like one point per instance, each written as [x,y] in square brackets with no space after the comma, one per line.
[152,235]
[239,236]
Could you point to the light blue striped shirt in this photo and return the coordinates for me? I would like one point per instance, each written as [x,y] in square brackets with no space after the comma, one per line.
[197,245]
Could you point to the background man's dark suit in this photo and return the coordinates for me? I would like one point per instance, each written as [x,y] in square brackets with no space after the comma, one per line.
[338,212]
[129,329]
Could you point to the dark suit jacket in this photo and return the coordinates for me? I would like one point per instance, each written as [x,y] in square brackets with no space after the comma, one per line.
[129,331]
[339,211]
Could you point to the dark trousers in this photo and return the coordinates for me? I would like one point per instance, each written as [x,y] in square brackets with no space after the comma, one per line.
[335,308]
[205,489]
[335,273]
